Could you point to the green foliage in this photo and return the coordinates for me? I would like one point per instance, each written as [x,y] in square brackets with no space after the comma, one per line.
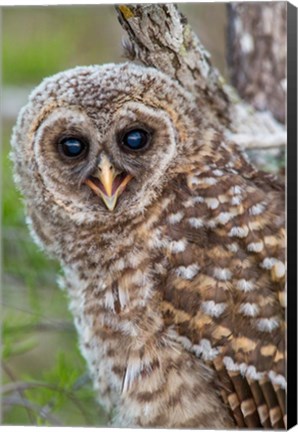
[44,379]
[42,383]
[37,42]
[59,389]
[15,338]
[63,395]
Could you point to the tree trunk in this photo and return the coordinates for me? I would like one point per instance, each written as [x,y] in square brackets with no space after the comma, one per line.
[257,54]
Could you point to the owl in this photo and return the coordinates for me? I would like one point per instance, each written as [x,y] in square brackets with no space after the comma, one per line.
[171,244]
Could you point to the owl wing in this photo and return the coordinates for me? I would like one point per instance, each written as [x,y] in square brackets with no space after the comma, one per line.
[225,291]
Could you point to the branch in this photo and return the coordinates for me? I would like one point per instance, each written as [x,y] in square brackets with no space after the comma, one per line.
[34,408]
[252,129]
[21,386]
[160,36]
[19,390]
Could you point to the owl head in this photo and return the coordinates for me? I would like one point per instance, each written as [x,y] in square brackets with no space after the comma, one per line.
[101,143]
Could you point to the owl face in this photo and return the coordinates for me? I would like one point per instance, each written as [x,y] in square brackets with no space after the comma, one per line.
[104,141]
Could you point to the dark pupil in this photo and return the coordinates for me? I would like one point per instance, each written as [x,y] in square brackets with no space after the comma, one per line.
[135,139]
[72,147]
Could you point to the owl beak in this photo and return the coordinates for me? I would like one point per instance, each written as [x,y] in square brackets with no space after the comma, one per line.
[108,183]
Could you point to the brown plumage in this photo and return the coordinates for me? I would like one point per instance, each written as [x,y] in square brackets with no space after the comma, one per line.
[172,246]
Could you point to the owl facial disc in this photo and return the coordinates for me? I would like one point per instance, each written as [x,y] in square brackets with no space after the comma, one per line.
[108,183]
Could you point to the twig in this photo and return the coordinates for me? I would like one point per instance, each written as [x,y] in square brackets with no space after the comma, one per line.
[21,386]
[19,390]
[29,406]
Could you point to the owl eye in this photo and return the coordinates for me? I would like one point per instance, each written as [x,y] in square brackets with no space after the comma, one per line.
[136,139]
[72,147]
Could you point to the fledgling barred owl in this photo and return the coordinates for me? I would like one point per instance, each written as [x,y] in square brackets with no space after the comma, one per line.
[172,247]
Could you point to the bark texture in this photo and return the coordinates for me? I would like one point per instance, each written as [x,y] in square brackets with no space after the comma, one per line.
[160,36]
[257,54]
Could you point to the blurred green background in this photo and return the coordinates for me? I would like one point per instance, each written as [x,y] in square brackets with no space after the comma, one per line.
[44,379]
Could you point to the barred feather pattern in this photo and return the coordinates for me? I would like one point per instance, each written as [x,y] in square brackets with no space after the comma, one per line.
[235,303]
[184,290]
[180,309]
